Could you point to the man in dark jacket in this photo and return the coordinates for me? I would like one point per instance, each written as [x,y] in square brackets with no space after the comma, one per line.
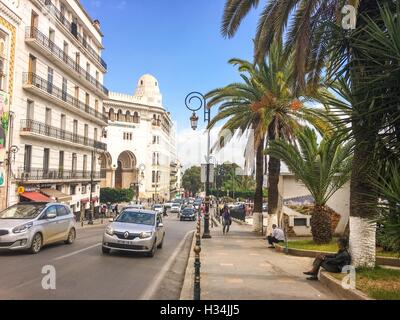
[332,263]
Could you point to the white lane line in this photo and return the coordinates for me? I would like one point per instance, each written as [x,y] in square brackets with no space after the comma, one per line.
[78,252]
[153,287]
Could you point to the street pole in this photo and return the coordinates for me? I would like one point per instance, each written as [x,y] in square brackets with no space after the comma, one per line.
[91,212]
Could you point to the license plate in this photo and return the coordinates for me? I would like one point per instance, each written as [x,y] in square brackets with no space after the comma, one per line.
[125,242]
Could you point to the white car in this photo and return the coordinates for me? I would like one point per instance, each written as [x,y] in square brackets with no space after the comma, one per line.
[159,208]
[176,208]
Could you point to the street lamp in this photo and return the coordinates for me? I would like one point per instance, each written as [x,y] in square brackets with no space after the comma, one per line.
[194,119]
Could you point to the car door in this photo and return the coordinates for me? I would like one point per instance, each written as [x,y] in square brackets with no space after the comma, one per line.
[63,222]
[49,226]
[160,230]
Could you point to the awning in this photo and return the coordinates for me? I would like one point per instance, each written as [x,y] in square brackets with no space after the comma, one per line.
[35,197]
[58,195]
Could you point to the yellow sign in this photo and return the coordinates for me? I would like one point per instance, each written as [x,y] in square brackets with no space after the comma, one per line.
[21,190]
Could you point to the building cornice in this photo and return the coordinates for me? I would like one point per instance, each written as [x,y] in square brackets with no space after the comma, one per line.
[9,13]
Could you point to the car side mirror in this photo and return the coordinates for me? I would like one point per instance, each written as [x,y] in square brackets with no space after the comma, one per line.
[160,225]
[111,220]
[51,216]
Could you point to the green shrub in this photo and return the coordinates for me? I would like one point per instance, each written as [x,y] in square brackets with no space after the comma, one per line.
[116,195]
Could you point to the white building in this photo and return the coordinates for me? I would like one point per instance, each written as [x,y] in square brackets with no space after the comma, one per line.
[141,143]
[57,104]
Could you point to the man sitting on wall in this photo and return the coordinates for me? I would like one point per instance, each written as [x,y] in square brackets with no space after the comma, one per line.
[332,263]
[277,236]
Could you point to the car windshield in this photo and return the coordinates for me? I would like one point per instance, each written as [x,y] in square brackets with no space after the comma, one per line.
[157,207]
[26,212]
[188,211]
[133,217]
[176,205]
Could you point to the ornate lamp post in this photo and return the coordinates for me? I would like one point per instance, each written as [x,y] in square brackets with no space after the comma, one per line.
[194,119]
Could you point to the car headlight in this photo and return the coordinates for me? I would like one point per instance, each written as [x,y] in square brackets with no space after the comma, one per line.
[146,235]
[23,228]
[110,231]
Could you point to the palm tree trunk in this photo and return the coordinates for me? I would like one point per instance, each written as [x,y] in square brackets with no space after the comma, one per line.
[362,206]
[274,171]
[258,199]
[321,225]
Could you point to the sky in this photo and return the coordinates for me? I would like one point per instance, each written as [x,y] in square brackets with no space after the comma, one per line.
[177,41]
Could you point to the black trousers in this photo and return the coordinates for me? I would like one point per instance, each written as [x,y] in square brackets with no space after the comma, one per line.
[273,240]
[319,263]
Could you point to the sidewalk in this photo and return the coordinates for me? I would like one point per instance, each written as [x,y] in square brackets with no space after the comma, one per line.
[96,223]
[239,266]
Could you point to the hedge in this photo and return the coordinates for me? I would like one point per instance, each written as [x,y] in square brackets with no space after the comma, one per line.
[109,195]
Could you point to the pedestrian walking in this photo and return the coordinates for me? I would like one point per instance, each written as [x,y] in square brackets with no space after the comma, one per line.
[226,219]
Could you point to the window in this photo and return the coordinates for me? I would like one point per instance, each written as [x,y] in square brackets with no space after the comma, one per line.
[136,118]
[3,60]
[46,160]
[156,140]
[153,177]
[84,189]
[64,88]
[72,190]
[95,135]
[65,51]
[50,77]
[30,110]
[74,162]
[85,158]
[86,133]
[61,161]
[62,211]
[48,117]
[51,210]
[28,158]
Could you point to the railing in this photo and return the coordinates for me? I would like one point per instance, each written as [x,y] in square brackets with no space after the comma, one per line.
[73,28]
[53,132]
[34,33]
[33,79]
[31,174]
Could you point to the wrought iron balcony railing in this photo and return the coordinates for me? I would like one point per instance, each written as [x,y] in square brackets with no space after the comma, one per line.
[73,29]
[45,42]
[33,79]
[57,133]
[34,174]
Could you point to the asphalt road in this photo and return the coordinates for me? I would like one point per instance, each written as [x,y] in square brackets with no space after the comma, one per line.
[83,273]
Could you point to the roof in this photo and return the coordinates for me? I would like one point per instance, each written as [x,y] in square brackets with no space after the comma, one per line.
[58,195]
[36,197]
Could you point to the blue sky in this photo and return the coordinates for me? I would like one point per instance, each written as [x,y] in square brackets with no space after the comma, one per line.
[178,41]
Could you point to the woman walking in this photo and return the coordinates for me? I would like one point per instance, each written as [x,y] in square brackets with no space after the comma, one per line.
[226,219]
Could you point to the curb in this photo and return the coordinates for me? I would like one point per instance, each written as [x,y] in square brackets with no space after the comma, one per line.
[382,261]
[336,287]
[188,283]
[242,223]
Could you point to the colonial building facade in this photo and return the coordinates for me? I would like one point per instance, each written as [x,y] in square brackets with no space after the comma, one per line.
[141,143]
[59,120]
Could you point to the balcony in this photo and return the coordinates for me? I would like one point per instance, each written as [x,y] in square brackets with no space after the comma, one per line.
[73,30]
[55,175]
[36,38]
[33,82]
[31,127]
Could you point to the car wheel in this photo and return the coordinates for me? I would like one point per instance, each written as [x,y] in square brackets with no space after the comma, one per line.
[37,243]
[152,253]
[105,250]
[71,237]
[160,246]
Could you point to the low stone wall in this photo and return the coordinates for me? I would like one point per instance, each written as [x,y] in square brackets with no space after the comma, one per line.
[336,287]
[382,261]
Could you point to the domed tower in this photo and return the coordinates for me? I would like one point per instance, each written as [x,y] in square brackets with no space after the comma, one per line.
[148,90]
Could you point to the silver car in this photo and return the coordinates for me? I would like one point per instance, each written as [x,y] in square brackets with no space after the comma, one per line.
[135,231]
[30,226]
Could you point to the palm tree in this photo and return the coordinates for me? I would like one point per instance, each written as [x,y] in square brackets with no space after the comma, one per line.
[265,104]
[320,44]
[323,168]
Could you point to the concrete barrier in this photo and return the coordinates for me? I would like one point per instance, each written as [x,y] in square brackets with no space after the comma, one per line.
[187,291]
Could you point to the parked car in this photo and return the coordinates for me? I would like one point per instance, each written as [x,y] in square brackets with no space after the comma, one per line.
[188,214]
[135,231]
[30,226]
[159,208]
[176,208]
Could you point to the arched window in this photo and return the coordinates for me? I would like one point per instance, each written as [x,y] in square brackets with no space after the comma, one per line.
[121,116]
[136,118]
[111,115]
[128,116]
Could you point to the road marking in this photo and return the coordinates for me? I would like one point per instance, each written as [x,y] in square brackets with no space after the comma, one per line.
[77,252]
[153,287]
